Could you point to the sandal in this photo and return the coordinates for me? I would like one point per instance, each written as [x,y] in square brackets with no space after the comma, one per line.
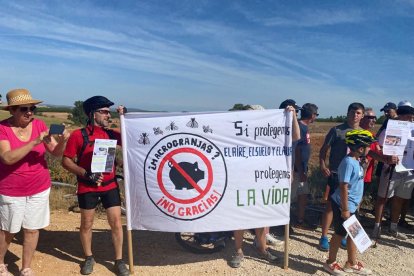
[4,271]
[27,272]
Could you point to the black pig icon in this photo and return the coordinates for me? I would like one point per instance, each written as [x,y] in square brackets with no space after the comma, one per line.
[191,169]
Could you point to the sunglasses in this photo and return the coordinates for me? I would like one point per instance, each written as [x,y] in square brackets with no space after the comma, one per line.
[25,109]
[103,111]
[371,117]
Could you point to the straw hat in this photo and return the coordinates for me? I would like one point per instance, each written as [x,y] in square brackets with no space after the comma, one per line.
[19,96]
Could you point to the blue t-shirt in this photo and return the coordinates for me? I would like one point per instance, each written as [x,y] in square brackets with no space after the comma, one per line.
[351,172]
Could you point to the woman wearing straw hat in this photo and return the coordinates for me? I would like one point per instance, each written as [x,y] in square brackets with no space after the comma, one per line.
[24,176]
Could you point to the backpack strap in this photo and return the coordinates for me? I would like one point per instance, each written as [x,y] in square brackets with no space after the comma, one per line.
[85,137]
[111,133]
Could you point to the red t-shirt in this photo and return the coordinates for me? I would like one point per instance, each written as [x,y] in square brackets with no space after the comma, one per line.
[30,175]
[73,148]
[371,164]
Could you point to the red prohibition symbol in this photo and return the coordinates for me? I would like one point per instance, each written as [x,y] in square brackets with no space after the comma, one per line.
[170,158]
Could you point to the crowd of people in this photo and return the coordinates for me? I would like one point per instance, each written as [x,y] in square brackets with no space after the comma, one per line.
[354,153]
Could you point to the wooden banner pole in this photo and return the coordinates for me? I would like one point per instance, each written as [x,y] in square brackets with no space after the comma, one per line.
[130,254]
[286,255]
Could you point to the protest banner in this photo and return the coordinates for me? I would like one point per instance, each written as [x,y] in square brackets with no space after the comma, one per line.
[201,172]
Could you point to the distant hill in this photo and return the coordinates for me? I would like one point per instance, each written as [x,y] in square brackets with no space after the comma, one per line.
[65,108]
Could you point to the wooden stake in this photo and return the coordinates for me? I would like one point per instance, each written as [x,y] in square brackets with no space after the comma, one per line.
[130,254]
[286,255]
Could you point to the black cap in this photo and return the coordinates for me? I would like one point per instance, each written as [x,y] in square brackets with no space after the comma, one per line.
[290,102]
[95,103]
[308,109]
[389,106]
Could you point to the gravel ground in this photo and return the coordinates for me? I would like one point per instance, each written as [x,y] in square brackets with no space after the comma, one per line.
[156,253]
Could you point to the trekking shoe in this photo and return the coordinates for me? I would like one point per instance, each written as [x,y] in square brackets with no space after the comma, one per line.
[396,234]
[357,269]
[376,233]
[324,243]
[26,272]
[4,271]
[334,268]
[343,243]
[121,268]
[267,256]
[272,240]
[87,266]
[236,260]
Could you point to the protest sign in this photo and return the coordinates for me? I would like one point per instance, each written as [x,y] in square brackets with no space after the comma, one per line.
[103,157]
[399,140]
[200,172]
[357,233]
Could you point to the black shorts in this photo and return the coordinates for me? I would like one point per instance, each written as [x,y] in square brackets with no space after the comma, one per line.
[90,200]
[338,220]
[333,183]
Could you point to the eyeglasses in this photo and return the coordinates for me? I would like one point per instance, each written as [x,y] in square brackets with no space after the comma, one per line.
[103,111]
[371,117]
[25,109]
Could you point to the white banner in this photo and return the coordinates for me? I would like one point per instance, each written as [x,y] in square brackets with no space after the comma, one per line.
[202,172]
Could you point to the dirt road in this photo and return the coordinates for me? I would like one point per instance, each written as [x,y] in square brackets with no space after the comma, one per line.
[59,253]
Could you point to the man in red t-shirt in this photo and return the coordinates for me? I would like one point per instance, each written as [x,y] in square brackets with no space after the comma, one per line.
[95,187]
[368,123]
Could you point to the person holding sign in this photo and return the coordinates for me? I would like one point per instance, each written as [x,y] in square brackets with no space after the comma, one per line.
[345,201]
[399,185]
[24,176]
[262,234]
[95,186]
[300,186]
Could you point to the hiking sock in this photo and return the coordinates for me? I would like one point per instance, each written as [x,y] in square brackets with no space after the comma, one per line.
[393,226]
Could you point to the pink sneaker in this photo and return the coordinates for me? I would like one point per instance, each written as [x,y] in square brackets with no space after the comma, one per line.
[4,271]
[358,268]
[334,268]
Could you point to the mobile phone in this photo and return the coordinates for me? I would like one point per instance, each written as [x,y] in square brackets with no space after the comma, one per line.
[56,129]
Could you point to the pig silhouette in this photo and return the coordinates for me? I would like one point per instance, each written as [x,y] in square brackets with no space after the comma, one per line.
[191,169]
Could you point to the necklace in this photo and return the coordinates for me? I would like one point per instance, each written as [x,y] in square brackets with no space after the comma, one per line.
[20,131]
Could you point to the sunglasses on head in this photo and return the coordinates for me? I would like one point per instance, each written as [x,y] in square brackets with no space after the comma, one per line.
[25,109]
[103,111]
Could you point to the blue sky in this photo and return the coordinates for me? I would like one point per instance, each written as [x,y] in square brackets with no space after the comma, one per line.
[208,55]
